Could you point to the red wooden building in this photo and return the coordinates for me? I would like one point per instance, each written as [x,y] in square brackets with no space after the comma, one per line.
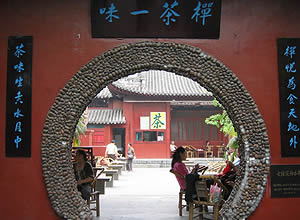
[126,111]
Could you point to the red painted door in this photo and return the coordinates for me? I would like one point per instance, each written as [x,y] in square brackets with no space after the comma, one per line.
[98,138]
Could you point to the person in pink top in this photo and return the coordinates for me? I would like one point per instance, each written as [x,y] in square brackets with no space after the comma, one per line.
[179,168]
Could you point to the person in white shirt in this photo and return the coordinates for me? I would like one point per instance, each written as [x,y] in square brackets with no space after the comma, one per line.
[172,147]
[111,150]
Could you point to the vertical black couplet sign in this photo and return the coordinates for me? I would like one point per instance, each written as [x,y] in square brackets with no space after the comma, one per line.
[18,101]
[156,18]
[289,88]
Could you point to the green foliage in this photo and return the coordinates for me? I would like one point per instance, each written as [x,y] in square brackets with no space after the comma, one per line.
[232,144]
[225,125]
[80,129]
[222,121]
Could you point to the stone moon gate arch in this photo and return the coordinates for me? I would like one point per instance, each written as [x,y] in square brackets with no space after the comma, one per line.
[188,61]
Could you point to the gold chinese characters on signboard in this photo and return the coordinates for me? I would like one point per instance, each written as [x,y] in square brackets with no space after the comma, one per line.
[158,120]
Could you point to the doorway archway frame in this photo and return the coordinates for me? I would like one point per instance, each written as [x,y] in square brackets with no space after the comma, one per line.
[128,59]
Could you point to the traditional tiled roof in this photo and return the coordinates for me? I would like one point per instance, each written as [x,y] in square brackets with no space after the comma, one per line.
[160,83]
[104,94]
[106,116]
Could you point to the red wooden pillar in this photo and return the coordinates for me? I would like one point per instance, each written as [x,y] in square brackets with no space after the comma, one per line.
[168,130]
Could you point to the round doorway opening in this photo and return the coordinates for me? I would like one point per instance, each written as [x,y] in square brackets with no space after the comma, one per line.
[128,59]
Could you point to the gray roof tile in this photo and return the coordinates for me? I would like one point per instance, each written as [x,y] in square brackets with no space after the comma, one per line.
[106,116]
[104,94]
[161,83]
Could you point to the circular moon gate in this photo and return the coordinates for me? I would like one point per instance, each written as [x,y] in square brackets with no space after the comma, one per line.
[128,59]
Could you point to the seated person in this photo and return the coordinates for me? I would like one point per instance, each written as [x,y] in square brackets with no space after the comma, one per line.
[83,174]
[185,179]
[229,174]
[179,168]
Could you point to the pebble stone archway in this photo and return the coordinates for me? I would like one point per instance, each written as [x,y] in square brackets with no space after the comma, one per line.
[128,59]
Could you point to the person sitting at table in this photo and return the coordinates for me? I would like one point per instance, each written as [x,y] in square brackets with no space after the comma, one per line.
[179,168]
[185,178]
[229,173]
[83,174]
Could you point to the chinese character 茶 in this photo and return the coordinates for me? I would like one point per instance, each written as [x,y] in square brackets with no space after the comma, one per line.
[19,52]
[157,123]
[169,12]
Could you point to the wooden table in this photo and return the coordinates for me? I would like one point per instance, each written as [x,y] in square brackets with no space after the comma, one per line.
[102,182]
[200,152]
[117,162]
[113,173]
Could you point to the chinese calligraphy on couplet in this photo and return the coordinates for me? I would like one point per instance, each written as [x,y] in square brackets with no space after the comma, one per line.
[18,107]
[156,18]
[288,61]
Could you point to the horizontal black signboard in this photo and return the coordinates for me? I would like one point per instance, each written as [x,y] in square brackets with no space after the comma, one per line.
[156,18]
[289,88]
[285,181]
[18,102]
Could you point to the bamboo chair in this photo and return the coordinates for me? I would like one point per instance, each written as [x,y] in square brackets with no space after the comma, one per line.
[191,152]
[221,151]
[209,153]
[95,195]
[203,198]
[194,150]
[181,206]
[181,195]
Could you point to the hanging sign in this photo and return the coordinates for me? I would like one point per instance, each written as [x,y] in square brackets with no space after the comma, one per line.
[158,120]
[18,101]
[144,122]
[156,18]
[289,83]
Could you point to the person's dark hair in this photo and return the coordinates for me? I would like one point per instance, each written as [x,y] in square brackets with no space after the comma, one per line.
[113,141]
[130,144]
[83,153]
[176,155]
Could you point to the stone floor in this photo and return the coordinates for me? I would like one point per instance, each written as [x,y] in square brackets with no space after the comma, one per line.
[145,193]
